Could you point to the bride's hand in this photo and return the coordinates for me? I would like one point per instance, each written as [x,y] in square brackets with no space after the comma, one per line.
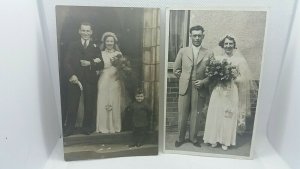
[198,83]
[112,59]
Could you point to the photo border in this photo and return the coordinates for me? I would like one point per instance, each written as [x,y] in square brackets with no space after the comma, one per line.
[258,105]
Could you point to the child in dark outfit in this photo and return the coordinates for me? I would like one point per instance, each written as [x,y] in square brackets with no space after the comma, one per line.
[140,119]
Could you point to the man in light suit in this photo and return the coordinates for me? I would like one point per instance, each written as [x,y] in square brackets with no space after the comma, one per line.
[189,67]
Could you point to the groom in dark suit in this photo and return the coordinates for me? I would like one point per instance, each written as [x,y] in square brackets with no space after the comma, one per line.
[189,67]
[83,61]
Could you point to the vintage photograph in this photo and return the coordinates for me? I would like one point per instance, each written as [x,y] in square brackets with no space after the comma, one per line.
[109,79]
[213,67]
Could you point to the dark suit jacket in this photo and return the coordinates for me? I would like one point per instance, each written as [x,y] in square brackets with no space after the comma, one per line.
[75,53]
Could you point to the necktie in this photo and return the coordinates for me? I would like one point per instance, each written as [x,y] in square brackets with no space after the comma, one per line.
[196,52]
[85,44]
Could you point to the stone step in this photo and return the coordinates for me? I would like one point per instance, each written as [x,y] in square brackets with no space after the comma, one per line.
[108,151]
[103,138]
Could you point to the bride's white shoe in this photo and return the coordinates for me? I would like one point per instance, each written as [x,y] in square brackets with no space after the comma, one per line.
[224,147]
[214,145]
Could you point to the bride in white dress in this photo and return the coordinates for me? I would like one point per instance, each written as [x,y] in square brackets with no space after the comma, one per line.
[110,99]
[229,104]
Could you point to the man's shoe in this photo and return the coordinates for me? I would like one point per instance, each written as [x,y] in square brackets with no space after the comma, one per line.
[131,145]
[197,144]
[139,144]
[178,143]
[68,133]
[86,132]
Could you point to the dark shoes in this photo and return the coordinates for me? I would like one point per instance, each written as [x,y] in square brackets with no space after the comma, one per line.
[68,133]
[179,143]
[86,131]
[131,145]
[197,144]
[135,145]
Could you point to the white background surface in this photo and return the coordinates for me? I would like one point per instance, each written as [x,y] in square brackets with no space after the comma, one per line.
[28,119]
[30,104]
[284,125]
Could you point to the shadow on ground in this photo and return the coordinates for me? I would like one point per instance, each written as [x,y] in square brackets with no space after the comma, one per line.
[97,145]
[241,149]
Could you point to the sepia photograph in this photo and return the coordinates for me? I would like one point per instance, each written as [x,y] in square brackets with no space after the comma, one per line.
[109,80]
[213,67]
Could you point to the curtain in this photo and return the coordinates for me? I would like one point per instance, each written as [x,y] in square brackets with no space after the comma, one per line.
[178,32]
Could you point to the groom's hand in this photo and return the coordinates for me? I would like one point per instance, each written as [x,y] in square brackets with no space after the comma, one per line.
[73,79]
[97,60]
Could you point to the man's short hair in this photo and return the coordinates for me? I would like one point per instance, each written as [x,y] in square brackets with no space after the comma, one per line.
[139,91]
[86,24]
[196,28]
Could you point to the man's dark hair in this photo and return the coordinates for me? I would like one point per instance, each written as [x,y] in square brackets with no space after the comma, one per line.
[87,24]
[196,28]
[139,91]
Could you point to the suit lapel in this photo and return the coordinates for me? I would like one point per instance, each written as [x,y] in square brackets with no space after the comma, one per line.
[201,55]
[190,54]
[80,46]
[90,44]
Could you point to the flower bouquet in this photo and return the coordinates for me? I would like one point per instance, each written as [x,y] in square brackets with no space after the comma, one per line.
[125,72]
[221,72]
[123,66]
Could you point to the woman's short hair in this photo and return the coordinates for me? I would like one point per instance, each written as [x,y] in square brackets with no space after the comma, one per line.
[196,28]
[105,36]
[230,37]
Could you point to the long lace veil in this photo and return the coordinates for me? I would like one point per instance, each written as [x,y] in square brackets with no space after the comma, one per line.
[247,87]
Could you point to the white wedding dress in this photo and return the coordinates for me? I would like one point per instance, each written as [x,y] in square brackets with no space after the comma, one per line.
[228,105]
[110,99]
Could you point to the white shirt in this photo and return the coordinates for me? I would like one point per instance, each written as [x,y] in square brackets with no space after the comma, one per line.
[87,42]
[196,51]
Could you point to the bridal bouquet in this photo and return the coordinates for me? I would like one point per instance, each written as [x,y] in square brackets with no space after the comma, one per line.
[221,71]
[123,66]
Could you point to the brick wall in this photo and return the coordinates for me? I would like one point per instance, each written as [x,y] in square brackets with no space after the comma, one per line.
[172,102]
[172,105]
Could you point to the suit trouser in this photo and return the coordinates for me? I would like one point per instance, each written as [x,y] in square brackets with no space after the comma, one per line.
[139,134]
[190,105]
[90,101]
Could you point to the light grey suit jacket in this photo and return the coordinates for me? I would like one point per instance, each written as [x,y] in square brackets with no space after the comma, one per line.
[183,68]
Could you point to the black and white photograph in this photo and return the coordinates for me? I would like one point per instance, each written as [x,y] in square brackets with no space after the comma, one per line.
[108,66]
[213,66]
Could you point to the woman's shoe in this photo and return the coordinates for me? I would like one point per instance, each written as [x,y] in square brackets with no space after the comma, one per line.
[214,145]
[224,147]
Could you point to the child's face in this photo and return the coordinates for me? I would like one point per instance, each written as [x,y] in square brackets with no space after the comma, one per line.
[139,97]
